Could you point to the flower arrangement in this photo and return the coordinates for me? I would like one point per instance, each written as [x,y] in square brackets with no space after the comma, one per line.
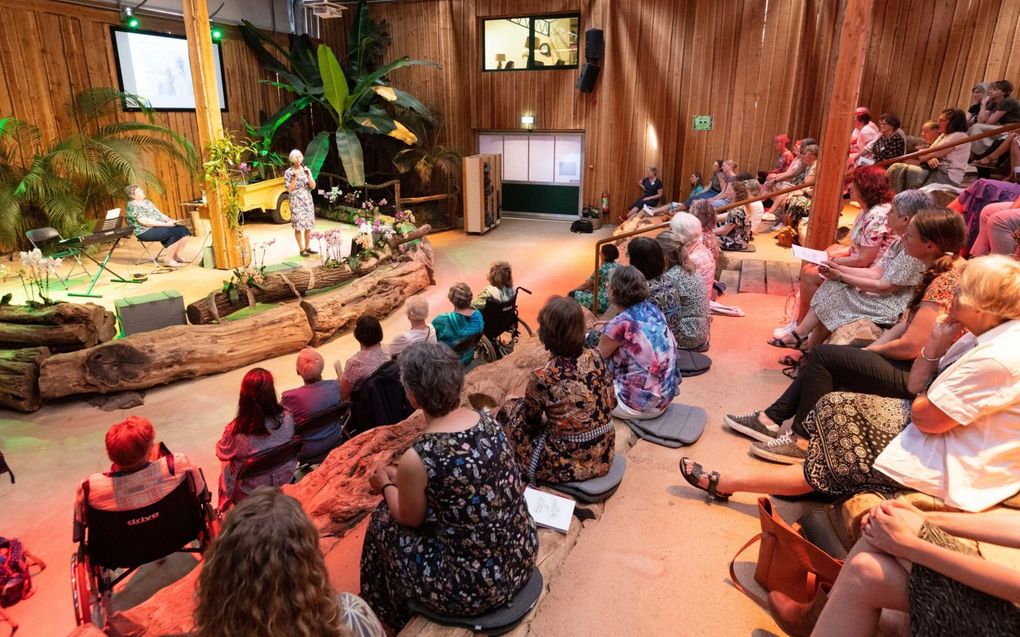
[591,212]
[404,216]
[35,277]
[252,275]
[330,242]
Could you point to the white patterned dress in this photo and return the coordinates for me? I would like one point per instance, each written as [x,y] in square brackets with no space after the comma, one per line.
[302,210]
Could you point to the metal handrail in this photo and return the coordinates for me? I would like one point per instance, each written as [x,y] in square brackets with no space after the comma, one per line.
[743,202]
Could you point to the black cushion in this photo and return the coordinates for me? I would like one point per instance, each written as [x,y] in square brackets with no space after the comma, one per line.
[497,621]
[595,489]
[679,425]
[692,363]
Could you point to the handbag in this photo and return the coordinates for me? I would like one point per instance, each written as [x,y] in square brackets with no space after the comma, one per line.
[787,562]
[785,237]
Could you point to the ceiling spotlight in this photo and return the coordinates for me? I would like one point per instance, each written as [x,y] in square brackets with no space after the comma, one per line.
[128,17]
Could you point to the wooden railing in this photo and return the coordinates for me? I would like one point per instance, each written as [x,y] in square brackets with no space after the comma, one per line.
[888,162]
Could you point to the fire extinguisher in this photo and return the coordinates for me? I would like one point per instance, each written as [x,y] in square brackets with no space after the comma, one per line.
[605,204]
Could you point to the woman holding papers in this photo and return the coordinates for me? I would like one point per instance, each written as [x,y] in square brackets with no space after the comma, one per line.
[453,531]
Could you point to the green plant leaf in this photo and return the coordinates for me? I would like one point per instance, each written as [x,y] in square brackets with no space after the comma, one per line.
[351,156]
[376,120]
[407,100]
[334,83]
[360,32]
[256,41]
[316,152]
[365,82]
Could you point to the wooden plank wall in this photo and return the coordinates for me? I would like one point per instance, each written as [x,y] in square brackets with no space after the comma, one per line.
[757,73]
[51,50]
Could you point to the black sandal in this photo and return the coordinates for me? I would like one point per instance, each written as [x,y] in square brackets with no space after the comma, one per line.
[789,361]
[798,340]
[791,371]
[694,478]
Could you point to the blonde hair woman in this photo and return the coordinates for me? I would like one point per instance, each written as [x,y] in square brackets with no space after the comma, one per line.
[299,183]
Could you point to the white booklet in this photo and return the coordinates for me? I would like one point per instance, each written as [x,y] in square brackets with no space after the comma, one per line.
[548,510]
[811,256]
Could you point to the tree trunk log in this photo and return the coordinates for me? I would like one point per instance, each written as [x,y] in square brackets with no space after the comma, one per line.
[19,377]
[377,293]
[62,327]
[276,289]
[172,353]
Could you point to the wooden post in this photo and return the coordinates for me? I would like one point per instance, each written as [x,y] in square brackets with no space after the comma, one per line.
[226,247]
[854,37]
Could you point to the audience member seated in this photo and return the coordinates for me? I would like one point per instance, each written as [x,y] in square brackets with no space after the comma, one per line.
[315,396]
[880,293]
[1011,145]
[865,131]
[500,288]
[705,213]
[463,322]
[368,332]
[141,473]
[733,227]
[998,108]
[869,236]
[809,160]
[562,429]
[609,253]
[792,176]
[890,143]
[697,184]
[639,348]
[149,224]
[997,229]
[958,440]
[726,196]
[909,560]
[261,423]
[417,309]
[978,93]
[976,198]
[929,133]
[784,157]
[680,289]
[265,575]
[942,165]
[687,229]
[651,189]
[453,531]
[715,186]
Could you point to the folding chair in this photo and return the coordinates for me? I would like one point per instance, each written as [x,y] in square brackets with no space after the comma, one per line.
[44,237]
[147,252]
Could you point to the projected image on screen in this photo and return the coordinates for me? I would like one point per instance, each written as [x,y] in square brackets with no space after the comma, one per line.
[155,66]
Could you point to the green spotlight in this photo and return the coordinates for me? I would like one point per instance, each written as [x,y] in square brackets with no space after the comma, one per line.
[216,31]
[129,19]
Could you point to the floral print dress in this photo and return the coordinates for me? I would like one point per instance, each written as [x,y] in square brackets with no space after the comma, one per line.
[478,543]
[302,210]
[584,297]
[644,369]
[737,238]
[562,429]
[682,297]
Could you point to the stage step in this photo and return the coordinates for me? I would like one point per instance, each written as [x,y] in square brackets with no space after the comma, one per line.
[762,277]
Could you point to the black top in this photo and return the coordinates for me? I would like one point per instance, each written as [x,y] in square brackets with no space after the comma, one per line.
[651,187]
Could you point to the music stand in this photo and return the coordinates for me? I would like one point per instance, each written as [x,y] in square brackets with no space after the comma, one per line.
[105,229]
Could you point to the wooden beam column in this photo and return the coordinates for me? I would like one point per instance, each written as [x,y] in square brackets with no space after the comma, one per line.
[854,37]
[226,247]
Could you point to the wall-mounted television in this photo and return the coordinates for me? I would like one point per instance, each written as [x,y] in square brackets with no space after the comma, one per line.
[155,66]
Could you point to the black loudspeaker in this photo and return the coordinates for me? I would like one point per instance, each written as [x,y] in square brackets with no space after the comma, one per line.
[594,44]
[589,75]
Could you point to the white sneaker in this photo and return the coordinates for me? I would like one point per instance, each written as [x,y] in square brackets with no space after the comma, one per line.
[647,210]
[768,216]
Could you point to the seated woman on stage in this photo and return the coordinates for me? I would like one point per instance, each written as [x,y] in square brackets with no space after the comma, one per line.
[562,428]
[609,253]
[453,327]
[453,530]
[910,560]
[958,440]
[651,192]
[639,348]
[261,423]
[150,224]
[500,287]
[271,523]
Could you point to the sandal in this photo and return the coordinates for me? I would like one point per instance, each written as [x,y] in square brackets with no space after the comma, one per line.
[693,478]
[304,253]
[789,361]
[796,344]
[791,371]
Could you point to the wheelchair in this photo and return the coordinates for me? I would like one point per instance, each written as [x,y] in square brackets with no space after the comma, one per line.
[112,541]
[502,328]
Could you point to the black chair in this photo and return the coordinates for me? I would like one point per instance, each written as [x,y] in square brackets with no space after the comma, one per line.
[113,540]
[260,464]
[43,238]
[502,327]
[378,400]
[336,416]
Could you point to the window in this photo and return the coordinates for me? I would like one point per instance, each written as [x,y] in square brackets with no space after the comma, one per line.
[534,42]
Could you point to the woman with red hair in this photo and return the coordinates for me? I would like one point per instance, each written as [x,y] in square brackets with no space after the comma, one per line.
[869,239]
[260,424]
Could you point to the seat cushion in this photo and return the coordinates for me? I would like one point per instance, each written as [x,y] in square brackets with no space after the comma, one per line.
[595,489]
[679,425]
[499,620]
[692,363]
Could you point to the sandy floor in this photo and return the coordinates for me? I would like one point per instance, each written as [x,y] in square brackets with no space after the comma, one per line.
[654,565]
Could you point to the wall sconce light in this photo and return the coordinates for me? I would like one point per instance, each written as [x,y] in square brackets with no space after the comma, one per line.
[528,122]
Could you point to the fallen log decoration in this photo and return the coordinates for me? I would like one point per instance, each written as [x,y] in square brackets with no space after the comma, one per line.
[378,294]
[19,377]
[62,327]
[172,353]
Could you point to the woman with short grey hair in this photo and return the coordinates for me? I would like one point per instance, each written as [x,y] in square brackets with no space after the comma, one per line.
[432,539]
[417,309]
[299,183]
[645,373]
[687,228]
